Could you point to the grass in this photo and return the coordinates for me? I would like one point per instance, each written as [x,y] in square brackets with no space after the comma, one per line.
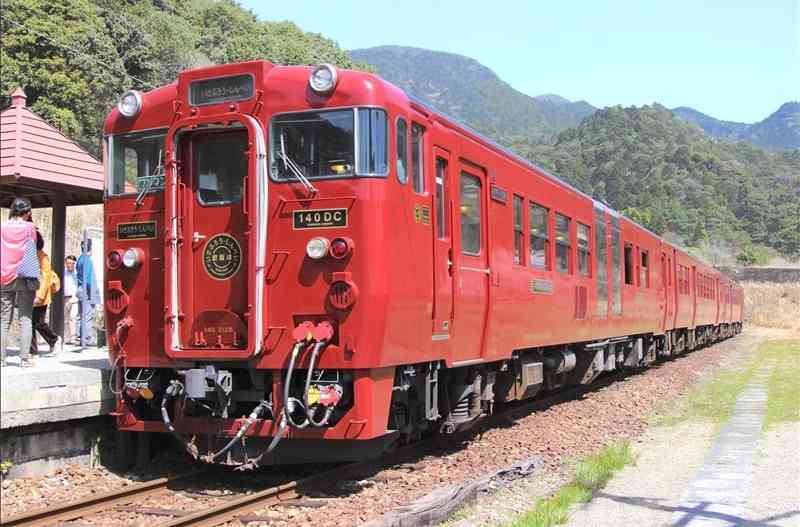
[772,305]
[713,399]
[783,403]
[591,474]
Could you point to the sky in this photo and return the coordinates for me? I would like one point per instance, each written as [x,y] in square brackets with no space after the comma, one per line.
[735,60]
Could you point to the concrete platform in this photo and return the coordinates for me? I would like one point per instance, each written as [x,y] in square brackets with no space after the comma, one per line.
[59,388]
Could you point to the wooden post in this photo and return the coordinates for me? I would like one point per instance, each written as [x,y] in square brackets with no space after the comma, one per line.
[57,255]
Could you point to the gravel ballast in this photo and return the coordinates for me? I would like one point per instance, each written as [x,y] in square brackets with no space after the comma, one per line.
[559,433]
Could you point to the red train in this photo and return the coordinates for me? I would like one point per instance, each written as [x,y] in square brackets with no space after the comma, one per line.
[306,264]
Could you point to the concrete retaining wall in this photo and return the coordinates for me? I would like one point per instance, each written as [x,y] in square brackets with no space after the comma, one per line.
[778,275]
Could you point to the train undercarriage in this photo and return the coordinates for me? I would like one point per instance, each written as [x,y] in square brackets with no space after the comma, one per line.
[427,398]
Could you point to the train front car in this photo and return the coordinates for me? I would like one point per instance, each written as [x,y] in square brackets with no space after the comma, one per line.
[247,269]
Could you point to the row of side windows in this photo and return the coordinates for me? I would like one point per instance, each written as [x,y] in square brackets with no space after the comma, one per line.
[705,286]
[539,236]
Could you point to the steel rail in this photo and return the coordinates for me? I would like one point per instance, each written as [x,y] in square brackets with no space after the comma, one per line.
[92,504]
[230,510]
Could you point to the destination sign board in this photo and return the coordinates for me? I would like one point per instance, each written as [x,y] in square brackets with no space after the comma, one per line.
[144,230]
[221,89]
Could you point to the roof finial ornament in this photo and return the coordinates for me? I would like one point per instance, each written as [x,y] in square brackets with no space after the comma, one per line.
[18,98]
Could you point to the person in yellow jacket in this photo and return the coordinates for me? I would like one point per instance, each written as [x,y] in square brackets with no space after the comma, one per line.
[49,284]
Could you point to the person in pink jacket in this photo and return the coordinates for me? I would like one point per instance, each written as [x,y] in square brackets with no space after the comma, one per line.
[19,276]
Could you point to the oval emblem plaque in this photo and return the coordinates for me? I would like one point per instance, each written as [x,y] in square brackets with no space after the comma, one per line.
[222,256]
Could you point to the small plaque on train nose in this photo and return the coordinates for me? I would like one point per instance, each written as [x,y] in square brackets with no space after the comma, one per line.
[141,230]
[320,218]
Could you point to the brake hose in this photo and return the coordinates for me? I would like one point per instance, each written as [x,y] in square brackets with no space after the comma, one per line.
[254,415]
[309,412]
[287,385]
[172,392]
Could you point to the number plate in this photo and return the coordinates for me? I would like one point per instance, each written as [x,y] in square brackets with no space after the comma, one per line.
[145,230]
[320,218]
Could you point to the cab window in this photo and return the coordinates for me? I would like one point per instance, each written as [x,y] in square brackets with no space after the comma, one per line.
[221,167]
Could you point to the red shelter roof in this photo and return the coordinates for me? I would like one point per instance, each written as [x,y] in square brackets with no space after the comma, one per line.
[39,162]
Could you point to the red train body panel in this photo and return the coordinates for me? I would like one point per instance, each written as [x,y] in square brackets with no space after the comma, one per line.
[468,274]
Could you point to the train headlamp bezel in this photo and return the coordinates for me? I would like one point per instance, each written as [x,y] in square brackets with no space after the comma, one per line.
[130,104]
[323,79]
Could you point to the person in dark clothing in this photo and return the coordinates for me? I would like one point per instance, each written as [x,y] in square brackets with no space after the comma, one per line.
[49,284]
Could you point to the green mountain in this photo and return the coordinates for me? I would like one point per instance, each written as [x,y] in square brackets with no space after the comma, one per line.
[472,93]
[669,176]
[781,130]
[649,162]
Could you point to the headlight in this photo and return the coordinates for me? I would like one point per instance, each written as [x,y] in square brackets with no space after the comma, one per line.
[130,103]
[317,248]
[132,258]
[323,79]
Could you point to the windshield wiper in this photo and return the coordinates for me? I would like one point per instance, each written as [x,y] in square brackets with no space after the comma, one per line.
[150,181]
[290,166]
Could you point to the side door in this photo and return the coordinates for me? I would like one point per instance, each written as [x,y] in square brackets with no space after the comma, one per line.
[471,278]
[213,260]
[442,247]
[666,291]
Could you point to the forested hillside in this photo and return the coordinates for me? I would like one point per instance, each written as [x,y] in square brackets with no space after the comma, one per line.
[472,93]
[669,176]
[74,58]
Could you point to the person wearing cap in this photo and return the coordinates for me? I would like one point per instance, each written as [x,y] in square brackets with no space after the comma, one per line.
[88,295]
[20,274]
[49,284]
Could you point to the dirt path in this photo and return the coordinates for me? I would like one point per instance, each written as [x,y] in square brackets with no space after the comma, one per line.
[668,458]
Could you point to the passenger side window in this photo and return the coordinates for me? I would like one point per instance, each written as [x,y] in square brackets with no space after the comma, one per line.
[470,214]
[644,270]
[417,161]
[629,264]
[563,244]
[539,239]
[584,252]
[402,151]
[519,232]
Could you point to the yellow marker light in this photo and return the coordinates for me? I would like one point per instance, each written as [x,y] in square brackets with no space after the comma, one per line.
[313,395]
[146,393]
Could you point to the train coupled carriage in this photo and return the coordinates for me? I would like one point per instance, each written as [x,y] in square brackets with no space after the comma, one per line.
[257,308]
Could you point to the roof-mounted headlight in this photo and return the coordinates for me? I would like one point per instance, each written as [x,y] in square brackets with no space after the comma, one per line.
[130,103]
[323,79]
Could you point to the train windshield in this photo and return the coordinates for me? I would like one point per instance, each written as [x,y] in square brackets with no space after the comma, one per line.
[329,144]
[136,162]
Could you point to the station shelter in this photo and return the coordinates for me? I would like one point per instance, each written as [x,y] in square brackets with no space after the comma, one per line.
[40,163]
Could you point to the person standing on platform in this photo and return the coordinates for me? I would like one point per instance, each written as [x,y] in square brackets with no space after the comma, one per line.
[48,285]
[71,302]
[88,294]
[19,276]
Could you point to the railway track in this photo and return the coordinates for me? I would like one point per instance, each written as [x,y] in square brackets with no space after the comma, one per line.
[241,506]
